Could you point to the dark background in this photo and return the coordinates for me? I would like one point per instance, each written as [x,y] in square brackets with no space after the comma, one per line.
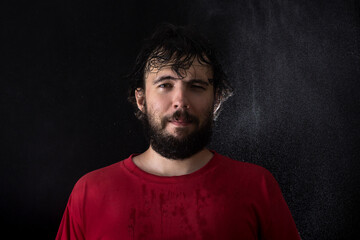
[294,66]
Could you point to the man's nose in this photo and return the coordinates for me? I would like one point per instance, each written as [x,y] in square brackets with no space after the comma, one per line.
[180,99]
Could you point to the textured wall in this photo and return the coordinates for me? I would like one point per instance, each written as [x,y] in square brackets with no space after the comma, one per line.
[294,66]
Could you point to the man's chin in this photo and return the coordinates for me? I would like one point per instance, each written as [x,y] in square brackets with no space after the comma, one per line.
[178,140]
[180,132]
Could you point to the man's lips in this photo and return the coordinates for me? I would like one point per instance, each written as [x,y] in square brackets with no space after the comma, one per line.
[180,122]
[182,119]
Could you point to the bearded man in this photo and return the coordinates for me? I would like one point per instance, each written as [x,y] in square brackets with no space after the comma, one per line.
[177,188]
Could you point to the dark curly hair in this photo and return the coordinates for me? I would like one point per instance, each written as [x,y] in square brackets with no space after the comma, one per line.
[177,47]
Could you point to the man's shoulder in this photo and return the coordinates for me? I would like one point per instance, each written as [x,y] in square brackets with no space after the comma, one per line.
[101,176]
[246,175]
[97,184]
[235,166]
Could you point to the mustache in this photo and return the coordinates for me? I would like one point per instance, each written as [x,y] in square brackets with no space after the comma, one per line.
[180,114]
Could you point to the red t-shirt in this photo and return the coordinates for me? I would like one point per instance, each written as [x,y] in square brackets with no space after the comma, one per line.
[225,199]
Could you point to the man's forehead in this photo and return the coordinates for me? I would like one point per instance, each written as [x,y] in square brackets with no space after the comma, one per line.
[198,72]
[169,68]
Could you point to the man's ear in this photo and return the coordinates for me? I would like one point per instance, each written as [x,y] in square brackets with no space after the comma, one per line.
[217,102]
[140,99]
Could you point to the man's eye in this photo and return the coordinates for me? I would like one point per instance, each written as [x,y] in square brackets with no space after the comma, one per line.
[198,87]
[165,85]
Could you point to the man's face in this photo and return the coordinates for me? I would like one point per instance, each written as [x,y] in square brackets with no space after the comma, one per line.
[179,109]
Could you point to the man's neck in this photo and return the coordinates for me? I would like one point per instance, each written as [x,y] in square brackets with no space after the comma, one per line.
[152,162]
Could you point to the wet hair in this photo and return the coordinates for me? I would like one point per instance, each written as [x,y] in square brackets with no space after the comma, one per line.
[177,47]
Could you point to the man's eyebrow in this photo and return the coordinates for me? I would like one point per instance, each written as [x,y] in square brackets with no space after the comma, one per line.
[163,78]
[199,81]
[191,81]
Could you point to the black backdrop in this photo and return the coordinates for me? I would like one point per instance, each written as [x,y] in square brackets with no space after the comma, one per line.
[294,65]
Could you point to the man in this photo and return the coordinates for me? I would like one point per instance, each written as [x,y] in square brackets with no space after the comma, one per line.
[177,189]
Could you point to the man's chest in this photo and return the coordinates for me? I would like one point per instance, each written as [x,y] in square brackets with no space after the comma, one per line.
[178,213]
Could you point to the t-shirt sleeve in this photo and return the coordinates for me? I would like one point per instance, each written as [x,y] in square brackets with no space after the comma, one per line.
[71,227]
[277,219]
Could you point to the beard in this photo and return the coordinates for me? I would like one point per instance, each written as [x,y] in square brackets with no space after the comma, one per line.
[186,144]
